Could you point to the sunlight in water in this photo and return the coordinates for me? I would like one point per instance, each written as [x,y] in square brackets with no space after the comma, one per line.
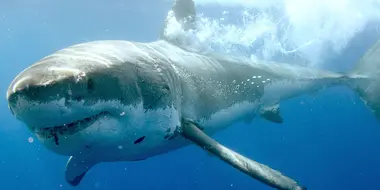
[305,29]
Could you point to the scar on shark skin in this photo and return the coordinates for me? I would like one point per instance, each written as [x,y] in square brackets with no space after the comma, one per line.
[171,135]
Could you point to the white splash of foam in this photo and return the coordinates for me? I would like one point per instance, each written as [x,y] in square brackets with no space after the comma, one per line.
[305,29]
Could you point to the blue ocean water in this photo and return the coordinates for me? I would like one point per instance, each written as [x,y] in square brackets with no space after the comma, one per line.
[328,141]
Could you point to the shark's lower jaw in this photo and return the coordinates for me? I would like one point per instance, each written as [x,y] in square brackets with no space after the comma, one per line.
[67,129]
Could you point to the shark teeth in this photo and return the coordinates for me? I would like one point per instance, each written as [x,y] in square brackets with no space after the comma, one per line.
[68,128]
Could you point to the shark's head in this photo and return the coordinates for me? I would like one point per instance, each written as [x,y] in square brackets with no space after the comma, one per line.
[104,100]
[101,95]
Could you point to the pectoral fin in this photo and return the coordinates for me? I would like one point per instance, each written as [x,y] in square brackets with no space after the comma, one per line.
[76,169]
[272,113]
[250,167]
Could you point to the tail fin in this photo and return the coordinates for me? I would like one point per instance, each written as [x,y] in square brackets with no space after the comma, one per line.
[367,75]
[180,18]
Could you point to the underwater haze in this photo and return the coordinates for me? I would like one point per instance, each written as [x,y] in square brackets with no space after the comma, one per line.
[328,141]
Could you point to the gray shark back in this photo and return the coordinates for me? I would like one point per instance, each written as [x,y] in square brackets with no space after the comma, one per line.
[211,83]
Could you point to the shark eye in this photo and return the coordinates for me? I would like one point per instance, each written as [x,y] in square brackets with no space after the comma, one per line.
[90,84]
[139,140]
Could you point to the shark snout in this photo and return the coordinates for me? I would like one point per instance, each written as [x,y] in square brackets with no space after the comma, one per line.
[45,84]
[38,77]
[39,92]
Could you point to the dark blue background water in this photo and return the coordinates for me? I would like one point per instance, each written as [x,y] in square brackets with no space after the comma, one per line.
[329,141]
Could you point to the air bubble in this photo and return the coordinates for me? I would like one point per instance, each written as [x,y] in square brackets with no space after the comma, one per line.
[30,140]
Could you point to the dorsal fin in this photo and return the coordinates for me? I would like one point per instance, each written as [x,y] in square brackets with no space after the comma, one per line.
[181,17]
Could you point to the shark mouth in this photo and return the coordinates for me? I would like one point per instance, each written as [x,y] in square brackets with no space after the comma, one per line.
[67,129]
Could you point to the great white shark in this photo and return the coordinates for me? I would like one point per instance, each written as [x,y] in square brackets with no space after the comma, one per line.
[109,101]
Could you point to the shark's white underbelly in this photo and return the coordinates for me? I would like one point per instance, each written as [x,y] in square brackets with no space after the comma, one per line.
[162,131]
[229,116]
